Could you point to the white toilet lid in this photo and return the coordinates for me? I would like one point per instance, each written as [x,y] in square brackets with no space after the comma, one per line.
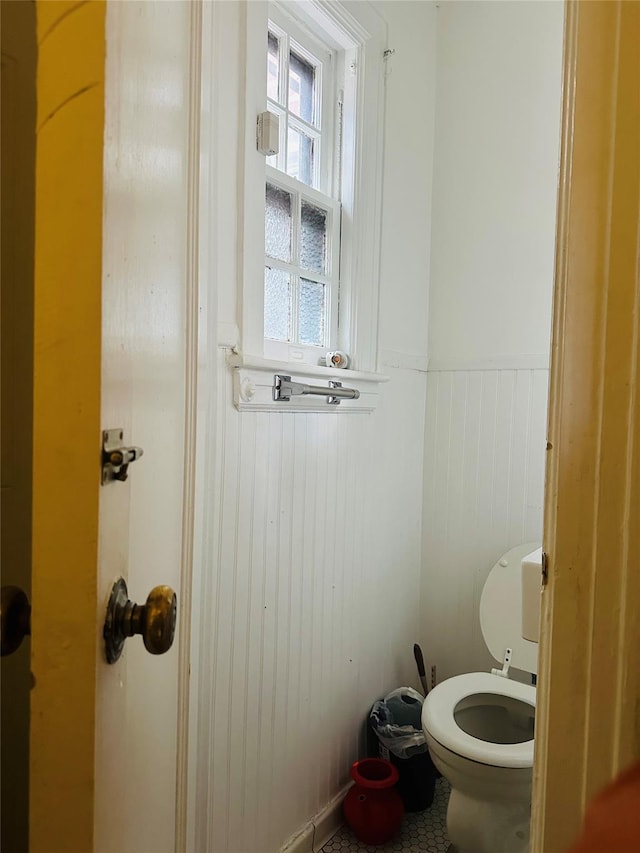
[439,722]
[501,611]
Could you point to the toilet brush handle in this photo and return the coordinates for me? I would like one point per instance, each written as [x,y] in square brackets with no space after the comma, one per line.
[417,653]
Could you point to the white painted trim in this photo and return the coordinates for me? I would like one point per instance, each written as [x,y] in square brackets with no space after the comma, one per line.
[199,746]
[348,23]
[228,335]
[404,360]
[329,819]
[236,359]
[253,386]
[251,192]
[362,182]
[184,787]
[300,842]
[323,826]
[535,361]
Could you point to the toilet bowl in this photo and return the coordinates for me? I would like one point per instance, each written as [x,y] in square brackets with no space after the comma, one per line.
[479,726]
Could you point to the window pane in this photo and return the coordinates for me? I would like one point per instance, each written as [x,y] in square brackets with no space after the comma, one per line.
[273,67]
[302,79]
[277,223]
[277,305]
[300,156]
[311,312]
[313,249]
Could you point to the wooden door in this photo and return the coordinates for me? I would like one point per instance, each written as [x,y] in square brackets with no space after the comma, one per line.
[147,351]
[18,146]
[589,672]
[114,346]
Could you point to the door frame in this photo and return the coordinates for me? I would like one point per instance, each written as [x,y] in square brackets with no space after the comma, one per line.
[200,384]
[589,684]
[192,818]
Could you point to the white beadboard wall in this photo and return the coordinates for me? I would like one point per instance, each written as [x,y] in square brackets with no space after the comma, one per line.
[314,521]
[317,523]
[484,482]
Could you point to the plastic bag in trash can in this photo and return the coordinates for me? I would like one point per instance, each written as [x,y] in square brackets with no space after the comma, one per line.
[396,720]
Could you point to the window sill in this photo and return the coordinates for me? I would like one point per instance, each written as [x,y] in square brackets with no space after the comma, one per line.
[253,378]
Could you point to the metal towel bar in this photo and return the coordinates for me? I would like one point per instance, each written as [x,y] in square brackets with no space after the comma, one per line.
[284,389]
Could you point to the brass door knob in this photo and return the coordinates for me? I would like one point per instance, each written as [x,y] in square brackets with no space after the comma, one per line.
[155,620]
[15,619]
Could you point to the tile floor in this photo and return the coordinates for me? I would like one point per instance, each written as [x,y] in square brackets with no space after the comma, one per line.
[422,832]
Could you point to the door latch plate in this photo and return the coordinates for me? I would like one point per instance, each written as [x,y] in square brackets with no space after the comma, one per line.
[116,458]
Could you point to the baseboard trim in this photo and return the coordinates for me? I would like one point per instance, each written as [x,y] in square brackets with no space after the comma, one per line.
[329,820]
[323,826]
[301,841]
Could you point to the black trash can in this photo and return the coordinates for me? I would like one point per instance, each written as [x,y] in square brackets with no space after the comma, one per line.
[417,782]
[396,734]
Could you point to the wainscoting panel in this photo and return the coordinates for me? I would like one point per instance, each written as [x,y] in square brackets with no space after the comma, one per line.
[484,478]
[315,573]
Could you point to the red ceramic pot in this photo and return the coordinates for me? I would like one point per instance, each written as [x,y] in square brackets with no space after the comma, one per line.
[373,808]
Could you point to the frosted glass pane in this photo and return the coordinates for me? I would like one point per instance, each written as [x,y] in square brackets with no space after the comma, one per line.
[273,67]
[313,233]
[277,305]
[302,78]
[311,312]
[277,223]
[300,156]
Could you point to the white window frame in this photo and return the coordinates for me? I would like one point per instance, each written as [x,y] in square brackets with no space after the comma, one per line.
[325,189]
[324,166]
[281,349]
[358,32]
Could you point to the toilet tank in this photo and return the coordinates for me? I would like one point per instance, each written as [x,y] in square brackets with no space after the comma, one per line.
[501,611]
[531,587]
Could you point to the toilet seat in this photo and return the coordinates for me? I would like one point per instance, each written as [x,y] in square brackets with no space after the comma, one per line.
[439,722]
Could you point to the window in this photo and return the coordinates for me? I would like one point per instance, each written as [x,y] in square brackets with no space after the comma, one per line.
[311,213]
[295,82]
[302,211]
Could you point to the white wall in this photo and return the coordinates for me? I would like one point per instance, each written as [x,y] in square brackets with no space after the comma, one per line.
[493,233]
[315,520]
[409,136]
[495,177]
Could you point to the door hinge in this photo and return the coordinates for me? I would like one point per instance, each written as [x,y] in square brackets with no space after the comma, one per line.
[544,568]
[116,458]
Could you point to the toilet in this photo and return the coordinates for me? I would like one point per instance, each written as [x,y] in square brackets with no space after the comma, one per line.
[479,726]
